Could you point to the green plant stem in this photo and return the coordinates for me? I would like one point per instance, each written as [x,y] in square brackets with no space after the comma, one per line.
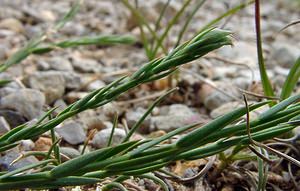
[84,41]
[142,21]
[189,19]
[169,26]
[155,179]
[263,72]
[111,185]
[161,14]
[291,80]
[226,14]
[140,121]
[115,124]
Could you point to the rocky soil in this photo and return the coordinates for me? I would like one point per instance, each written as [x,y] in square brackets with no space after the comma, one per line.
[209,87]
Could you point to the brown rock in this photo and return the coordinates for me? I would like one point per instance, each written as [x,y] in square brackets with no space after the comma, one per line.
[12,24]
[43,144]
[204,92]
[161,84]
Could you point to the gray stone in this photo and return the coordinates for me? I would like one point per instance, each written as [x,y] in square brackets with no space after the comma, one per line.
[72,79]
[95,85]
[14,84]
[3,51]
[110,109]
[284,54]
[52,83]
[72,133]
[95,122]
[132,116]
[85,64]
[101,138]
[5,76]
[4,126]
[178,115]
[13,118]
[243,52]
[279,81]
[39,15]
[281,71]
[225,72]
[8,12]
[242,82]
[69,152]
[60,63]
[6,91]
[73,29]
[9,157]
[217,98]
[87,149]
[225,108]
[71,97]
[27,145]
[230,106]
[60,104]
[26,101]
[43,65]
[33,30]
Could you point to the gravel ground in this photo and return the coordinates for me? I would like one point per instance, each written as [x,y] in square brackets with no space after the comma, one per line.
[209,87]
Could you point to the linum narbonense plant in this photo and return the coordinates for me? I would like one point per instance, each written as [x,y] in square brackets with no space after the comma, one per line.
[141,158]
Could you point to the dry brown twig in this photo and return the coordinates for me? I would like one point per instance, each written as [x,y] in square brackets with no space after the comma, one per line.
[261,145]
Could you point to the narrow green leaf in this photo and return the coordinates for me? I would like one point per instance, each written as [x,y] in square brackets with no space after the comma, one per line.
[112,185]
[84,41]
[226,14]
[141,20]
[144,170]
[198,135]
[115,124]
[117,166]
[291,80]
[268,90]
[25,168]
[168,28]
[161,139]
[188,20]
[161,14]
[163,185]
[149,110]
[69,15]
[74,165]
[4,82]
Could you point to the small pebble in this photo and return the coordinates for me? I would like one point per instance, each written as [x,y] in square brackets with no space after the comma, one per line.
[72,132]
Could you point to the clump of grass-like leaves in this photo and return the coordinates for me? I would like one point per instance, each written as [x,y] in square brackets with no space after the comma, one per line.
[203,43]
[138,158]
